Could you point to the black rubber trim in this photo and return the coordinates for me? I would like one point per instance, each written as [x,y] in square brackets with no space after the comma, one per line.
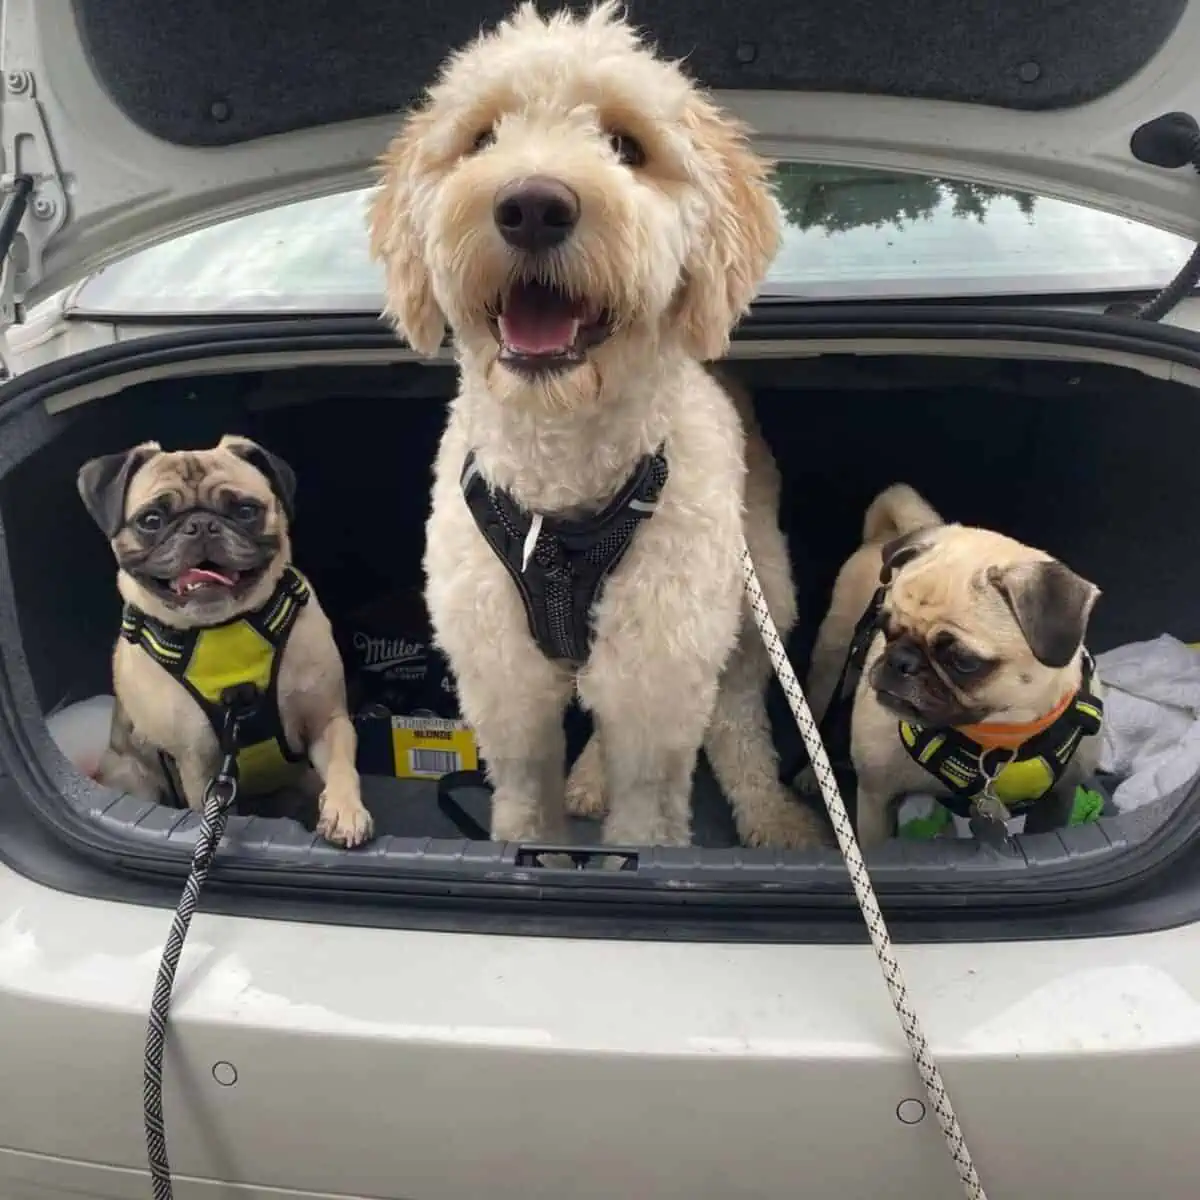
[1071,884]
[771,320]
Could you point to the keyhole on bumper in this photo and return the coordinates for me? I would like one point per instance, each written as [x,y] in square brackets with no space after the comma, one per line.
[225,1073]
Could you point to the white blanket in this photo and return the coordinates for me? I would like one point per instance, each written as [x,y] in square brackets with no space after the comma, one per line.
[1151,735]
[1150,740]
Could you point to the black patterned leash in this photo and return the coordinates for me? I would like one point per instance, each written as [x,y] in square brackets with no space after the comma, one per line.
[219,798]
[864,891]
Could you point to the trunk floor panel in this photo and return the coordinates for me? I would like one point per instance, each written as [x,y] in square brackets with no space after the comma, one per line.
[410,808]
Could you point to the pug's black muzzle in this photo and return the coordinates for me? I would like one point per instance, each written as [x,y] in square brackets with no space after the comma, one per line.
[198,537]
[907,684]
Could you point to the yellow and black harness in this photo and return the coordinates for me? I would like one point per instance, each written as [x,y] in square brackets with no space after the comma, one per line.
[987,767]
[236,662]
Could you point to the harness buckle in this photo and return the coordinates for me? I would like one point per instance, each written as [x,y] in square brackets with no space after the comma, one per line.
[238,704]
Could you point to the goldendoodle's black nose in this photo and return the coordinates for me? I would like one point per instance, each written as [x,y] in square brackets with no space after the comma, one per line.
[537,213]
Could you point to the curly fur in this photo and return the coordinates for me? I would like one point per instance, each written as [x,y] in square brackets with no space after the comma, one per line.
[674,249]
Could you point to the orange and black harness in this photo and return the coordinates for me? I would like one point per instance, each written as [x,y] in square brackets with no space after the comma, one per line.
[1015,764]
[990,770]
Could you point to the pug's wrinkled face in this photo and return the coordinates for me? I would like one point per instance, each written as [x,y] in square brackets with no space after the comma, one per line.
[978,627]
[199,535]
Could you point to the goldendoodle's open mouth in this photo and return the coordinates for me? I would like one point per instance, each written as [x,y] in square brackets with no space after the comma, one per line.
[542,329]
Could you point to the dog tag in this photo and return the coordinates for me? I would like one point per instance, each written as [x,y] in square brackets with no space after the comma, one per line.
[989,814]
[989,821]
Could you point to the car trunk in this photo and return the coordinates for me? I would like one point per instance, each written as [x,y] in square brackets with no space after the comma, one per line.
[1093,462]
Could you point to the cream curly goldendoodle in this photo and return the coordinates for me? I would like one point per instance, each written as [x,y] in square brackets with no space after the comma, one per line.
[591,227]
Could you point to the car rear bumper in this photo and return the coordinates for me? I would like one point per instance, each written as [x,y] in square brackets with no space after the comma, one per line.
[430,1066]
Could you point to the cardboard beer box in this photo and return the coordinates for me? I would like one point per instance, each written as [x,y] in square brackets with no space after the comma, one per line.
[402,694]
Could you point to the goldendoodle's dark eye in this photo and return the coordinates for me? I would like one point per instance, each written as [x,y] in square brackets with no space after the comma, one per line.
[483,139]
[628,150]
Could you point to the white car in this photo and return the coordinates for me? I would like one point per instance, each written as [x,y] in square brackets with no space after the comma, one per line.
[985,204]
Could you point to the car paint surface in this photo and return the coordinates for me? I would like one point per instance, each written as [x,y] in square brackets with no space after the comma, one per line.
[424,1066]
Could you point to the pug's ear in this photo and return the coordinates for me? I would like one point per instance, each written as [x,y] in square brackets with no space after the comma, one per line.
[103,484]
[902,550]
[1051,604]
[277,473]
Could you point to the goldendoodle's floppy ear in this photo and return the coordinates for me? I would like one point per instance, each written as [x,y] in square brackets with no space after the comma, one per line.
[730,259]
[396,243]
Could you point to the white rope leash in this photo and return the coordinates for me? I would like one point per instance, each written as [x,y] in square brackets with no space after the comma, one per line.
[881,940]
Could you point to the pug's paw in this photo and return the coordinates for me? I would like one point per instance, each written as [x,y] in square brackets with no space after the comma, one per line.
[343,819]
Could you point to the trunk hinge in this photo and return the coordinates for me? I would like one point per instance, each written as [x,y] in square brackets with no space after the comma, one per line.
[33,198]
[1170,141]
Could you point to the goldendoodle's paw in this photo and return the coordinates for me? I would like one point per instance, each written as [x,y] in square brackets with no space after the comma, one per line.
[783,822]
[515,818]
[344,820]
[585,784]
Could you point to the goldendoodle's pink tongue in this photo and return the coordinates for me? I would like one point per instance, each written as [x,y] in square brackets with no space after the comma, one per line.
[539,320]
[196,577]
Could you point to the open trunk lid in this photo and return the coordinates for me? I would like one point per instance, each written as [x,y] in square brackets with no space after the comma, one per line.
[133,121]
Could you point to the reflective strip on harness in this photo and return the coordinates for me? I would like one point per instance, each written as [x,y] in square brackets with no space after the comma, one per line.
[558,566]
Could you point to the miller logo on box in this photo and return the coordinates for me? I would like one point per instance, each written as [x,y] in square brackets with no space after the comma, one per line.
[390,657]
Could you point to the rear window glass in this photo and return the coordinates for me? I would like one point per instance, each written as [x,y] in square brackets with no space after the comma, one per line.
[850,234]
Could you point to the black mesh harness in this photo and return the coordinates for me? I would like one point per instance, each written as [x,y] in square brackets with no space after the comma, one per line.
[559,566]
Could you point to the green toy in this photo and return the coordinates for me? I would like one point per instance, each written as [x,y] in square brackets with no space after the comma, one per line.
[1088,806]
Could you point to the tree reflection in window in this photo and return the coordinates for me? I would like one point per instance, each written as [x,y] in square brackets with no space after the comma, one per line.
[838,199]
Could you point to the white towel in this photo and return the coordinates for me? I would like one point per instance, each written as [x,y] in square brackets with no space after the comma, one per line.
[82,730]
[1151,735]
[1150,740]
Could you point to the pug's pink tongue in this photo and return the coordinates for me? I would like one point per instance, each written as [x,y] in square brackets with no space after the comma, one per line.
[538,320]
[198,576]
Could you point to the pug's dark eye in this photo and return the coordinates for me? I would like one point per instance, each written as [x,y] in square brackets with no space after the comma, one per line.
[246,511]
[483,139]
[628,150]
[150,521]
[963,662]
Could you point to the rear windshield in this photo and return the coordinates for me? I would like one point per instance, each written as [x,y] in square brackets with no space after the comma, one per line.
[850,234]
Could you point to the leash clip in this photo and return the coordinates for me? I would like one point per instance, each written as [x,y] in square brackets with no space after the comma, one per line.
[222,787]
